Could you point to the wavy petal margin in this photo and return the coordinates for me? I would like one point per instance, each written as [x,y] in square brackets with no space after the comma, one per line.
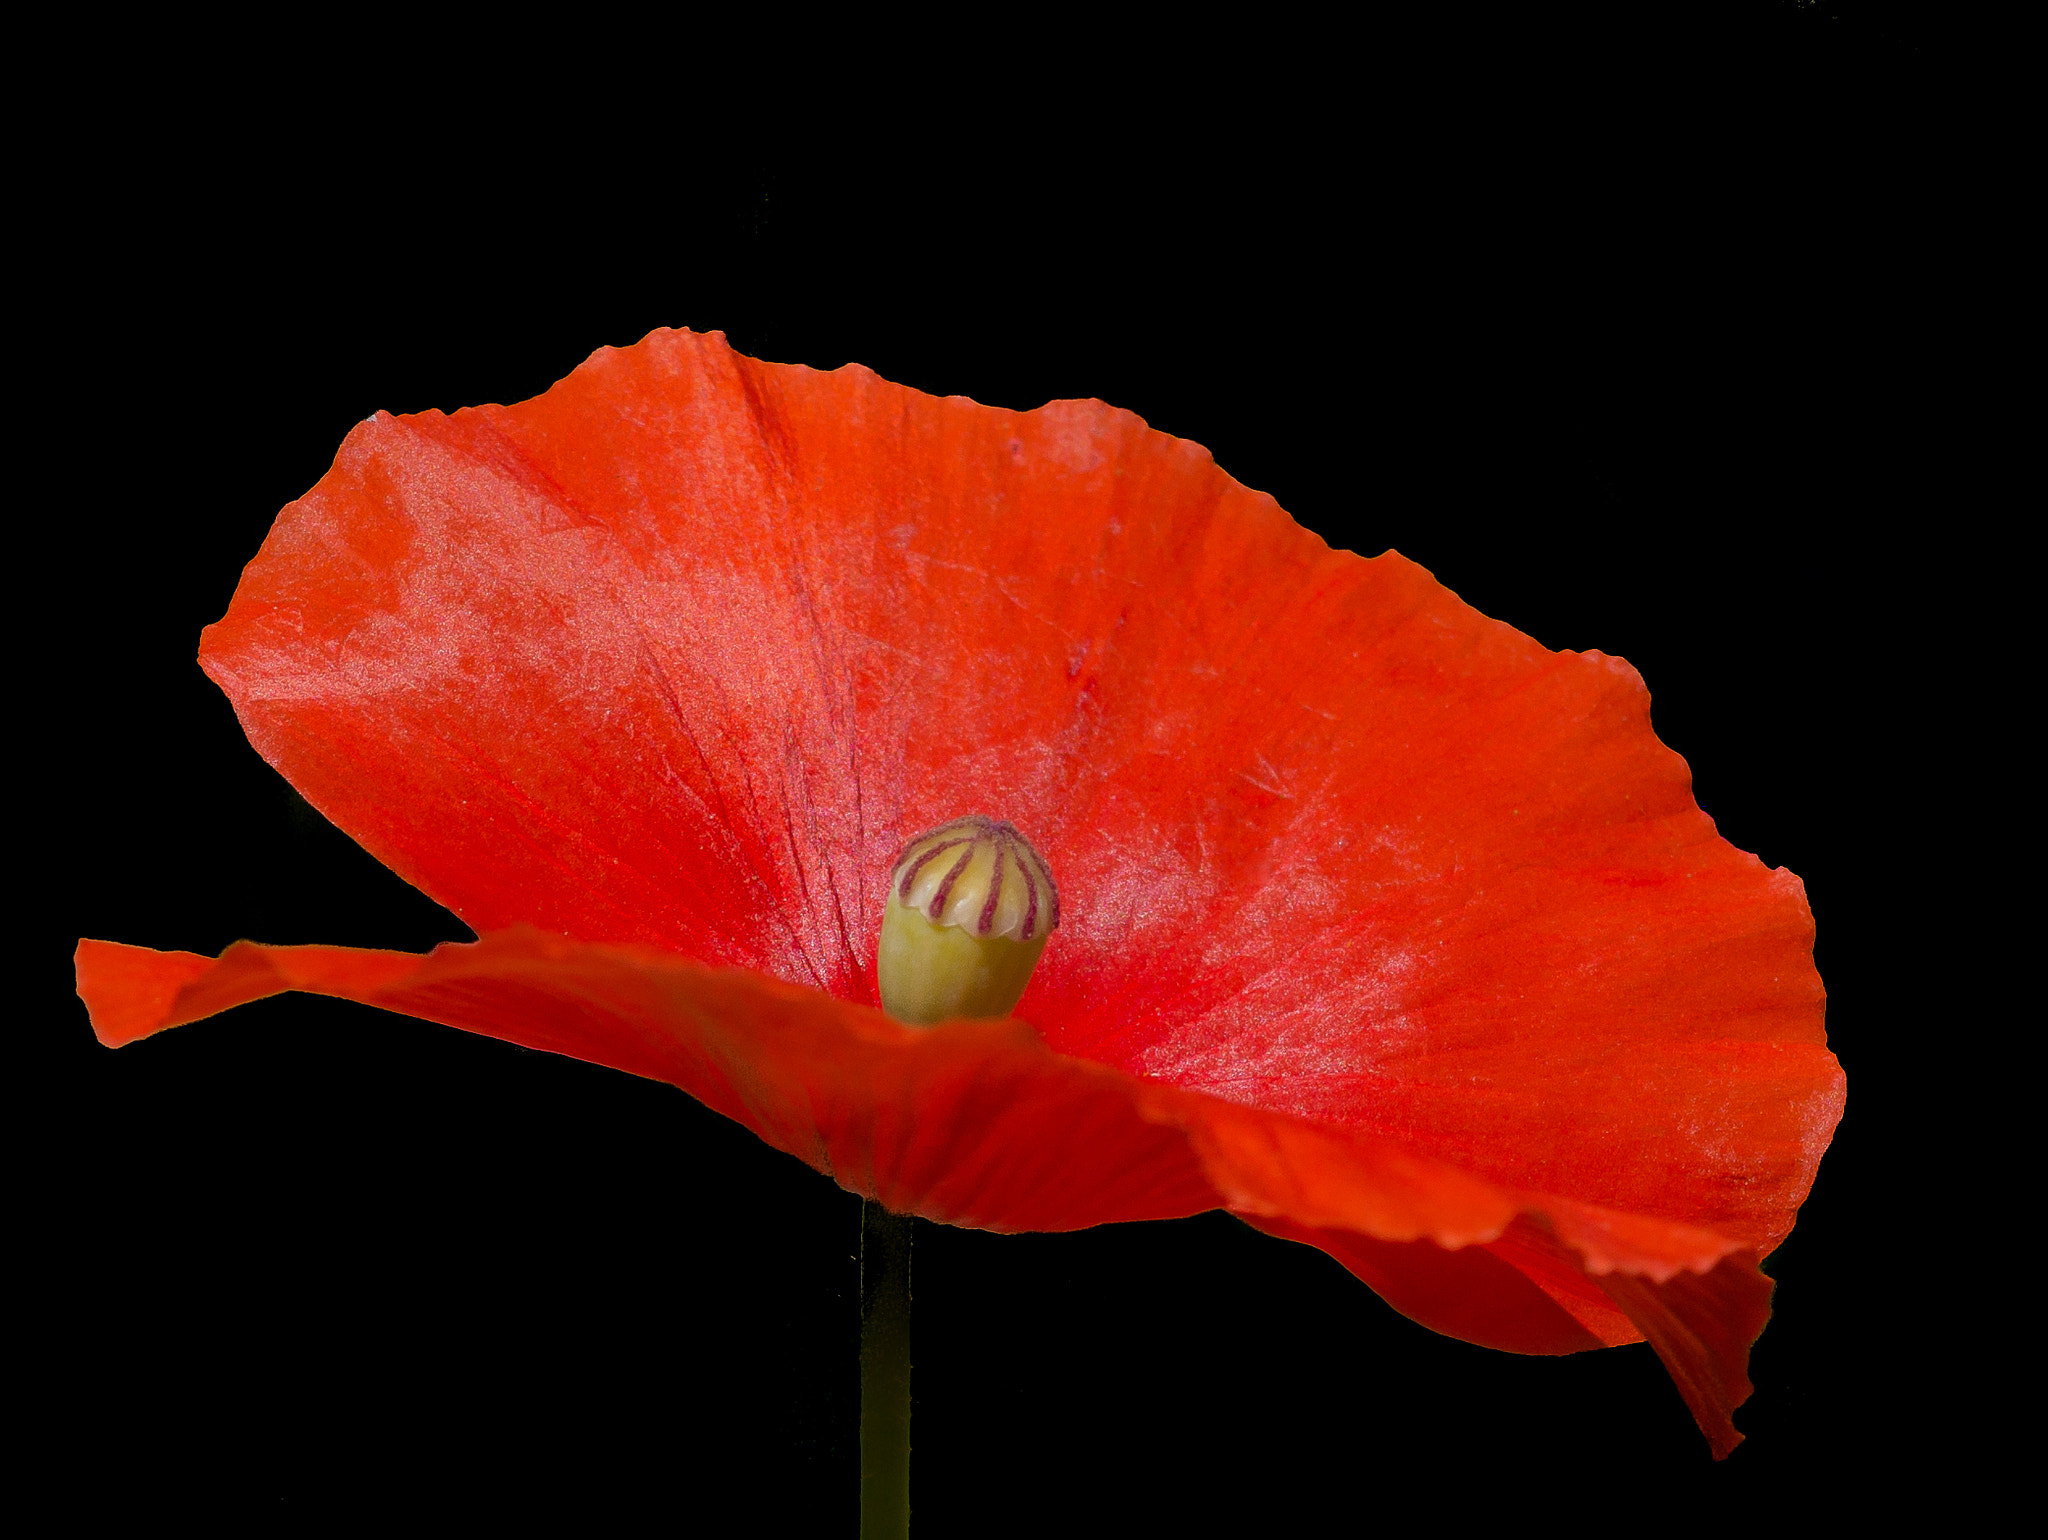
[981,1124]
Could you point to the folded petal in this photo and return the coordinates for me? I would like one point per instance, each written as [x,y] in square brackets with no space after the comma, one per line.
[982,1124]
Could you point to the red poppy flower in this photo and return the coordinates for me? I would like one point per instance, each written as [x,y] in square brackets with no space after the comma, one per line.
[1383,927]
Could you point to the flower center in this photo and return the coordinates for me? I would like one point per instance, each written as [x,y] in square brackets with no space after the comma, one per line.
[970,908]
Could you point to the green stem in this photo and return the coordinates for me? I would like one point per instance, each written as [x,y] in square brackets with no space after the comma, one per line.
[884,1374]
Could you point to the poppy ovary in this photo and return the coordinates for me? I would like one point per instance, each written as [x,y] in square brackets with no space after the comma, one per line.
[970,908]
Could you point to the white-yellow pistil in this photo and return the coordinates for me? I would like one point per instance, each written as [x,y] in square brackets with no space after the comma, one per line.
[970,907]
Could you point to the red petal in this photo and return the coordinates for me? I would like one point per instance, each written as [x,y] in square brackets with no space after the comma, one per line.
[680,651]
[981,1124]
[1702,1326]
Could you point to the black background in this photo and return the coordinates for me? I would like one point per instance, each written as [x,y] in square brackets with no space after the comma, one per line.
[1616,329]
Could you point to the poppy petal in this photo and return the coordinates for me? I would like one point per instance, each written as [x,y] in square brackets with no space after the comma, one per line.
[1702,1325]
[679,652]
[1392,931]
[981,1124]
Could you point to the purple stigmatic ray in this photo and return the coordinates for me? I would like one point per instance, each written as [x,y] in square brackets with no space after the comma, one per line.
[1030,900]
[937,906]
[995,893]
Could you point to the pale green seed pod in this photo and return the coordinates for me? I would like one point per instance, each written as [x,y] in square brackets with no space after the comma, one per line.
[970,908]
